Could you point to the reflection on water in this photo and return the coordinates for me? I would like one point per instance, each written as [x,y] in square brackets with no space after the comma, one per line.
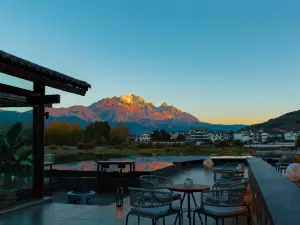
[141,163]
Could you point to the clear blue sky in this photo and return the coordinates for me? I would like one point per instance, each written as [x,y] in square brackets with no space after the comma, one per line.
[223,61]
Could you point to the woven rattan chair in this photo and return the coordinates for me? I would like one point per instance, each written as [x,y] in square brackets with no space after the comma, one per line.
[221,204]
[158,182]
[231,183]
[223,174]
[151,204]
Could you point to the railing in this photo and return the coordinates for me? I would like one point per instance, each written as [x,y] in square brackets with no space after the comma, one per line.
[275,198]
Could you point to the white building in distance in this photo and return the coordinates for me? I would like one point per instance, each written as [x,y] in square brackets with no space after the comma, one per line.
[290,136]
[244,137]
[143,137]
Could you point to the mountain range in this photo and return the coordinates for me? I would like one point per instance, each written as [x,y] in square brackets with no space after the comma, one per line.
[132,110]
[287,121]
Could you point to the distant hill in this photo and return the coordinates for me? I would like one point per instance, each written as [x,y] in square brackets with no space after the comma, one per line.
[284,122]
[132,110]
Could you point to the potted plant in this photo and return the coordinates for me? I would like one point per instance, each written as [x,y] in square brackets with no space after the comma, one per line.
[15,163]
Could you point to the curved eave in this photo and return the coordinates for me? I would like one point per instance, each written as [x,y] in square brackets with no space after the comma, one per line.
[24,69]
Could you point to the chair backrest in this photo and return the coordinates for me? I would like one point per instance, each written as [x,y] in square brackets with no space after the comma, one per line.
[149,198]
[237,182]
[223,198]
[223,174]
[154,182]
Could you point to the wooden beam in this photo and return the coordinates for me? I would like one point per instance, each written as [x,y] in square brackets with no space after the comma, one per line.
[9,100]
[38,143]
[46,99]
[16,91]
[9,70]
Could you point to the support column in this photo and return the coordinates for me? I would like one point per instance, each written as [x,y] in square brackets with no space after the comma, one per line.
[38,143]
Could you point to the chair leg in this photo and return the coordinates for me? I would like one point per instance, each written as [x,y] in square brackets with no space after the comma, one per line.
[127,218]
[222,221]
[138,220]
[200,218]
[205,219]
[194,218]
[153,221]
[237,220]
[249,220]
[179,216]
[164,221]
[217,221]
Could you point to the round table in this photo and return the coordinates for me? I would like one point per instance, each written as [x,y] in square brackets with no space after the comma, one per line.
[82,196]
[189,192]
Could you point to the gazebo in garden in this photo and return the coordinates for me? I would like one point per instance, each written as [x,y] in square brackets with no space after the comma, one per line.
[11,96]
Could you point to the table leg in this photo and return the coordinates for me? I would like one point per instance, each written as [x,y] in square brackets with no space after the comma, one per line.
[194,199]
[181,203]
[196,206]
[189,208]
[50,177]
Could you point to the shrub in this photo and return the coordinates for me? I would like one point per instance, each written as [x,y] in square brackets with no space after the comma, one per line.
[87,145]
[169,149]
[121,146]
[66,148]
[145,145]
[159,145]
[53,147]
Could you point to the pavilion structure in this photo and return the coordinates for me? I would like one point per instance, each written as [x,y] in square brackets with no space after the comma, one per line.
[11,96]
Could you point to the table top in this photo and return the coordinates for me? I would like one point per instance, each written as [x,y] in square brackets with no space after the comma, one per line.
[184,188]
[229,171]
[90,193]
[116,162]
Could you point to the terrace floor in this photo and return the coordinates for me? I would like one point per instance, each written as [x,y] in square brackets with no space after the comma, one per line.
[68,214]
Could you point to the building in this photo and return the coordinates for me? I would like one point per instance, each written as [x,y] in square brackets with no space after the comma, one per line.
[259,137]
[174,134]
[199,136]
[143,137]
[290,136]
[216,135]
[242,136]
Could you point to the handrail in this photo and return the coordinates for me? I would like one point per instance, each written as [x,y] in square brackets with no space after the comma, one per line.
[275,198]
[50,164]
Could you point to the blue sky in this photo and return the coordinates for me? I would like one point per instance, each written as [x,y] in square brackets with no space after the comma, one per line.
[222,61]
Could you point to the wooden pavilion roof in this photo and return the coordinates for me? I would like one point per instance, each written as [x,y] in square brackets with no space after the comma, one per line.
[24,69]
[41,77]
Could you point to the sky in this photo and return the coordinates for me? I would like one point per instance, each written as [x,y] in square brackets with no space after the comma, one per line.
[229,62]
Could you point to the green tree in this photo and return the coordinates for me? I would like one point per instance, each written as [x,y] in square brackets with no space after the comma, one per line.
[164,135]
[119,134]
[298,142]
[180,137]
[76,133]
[155,135]
[97,132]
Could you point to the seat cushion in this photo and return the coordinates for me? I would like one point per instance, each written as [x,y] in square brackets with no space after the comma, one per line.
[155,211]
[176,196]
[225,211]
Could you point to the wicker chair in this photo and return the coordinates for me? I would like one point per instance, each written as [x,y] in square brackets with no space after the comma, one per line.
[151,204]
[223,174]
[158,182]
[221,204]
[230,165]
[236,182]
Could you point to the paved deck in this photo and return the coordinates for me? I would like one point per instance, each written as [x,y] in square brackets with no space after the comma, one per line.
[68,214]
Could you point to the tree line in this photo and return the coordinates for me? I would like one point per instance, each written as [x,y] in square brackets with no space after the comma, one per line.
[98,133]
[163,135]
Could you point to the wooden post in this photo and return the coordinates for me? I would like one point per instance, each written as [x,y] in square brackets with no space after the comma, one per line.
[38,143]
